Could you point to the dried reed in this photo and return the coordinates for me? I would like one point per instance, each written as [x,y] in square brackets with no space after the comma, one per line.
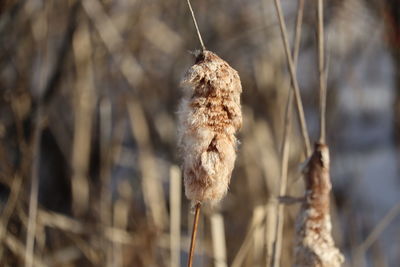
[209,117]
[315,246]
[175,215]
[314,243]
[285,148]
[194,233]
[218,240]
[293,77]
[34,193]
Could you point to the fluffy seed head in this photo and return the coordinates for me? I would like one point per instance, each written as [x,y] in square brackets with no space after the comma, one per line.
[209,117]
[314,243]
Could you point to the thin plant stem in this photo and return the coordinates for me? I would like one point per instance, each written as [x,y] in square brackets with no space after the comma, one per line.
[218,240]
[9,207]
[321,68]
[195,24]
[194,233]
[259,215]
[293,76]
[376,232]
[34,193]
[297,34]
[285,149]
[175,215]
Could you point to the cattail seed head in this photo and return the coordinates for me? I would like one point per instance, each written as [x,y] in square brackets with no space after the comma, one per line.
[315,246]
[209,117]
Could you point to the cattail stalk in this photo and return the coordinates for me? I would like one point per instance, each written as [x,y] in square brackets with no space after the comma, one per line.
[321,70]
[209,115]
[203,47]
[194,233]
[315,246]
[314,243]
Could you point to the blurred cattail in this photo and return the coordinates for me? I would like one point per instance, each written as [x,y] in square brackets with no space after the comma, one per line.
[314,243]
[210,115]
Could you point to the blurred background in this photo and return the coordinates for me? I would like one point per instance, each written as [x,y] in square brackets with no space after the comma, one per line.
[89,92]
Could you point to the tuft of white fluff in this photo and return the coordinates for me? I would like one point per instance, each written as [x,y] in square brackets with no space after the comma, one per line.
[209,116]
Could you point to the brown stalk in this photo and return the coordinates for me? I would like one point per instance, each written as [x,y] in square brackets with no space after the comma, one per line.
[315,246]
[212,90]
[197,27]
[293,76]
[285,149]
[224,101]
[84,104]
[175,215]
[321,69]
[34,193]
[375,233]
[36,150]
[194,233]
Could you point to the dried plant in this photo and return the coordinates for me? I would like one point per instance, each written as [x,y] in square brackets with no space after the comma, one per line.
[315,246]
[210,115]
[314,243]
[57,50]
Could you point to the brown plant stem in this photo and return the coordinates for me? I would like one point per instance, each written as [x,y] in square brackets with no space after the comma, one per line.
[195,24]
[314,245]
[293,76]
[285,148]
[194,233]
[34,192]
[321,69]
[375,233]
